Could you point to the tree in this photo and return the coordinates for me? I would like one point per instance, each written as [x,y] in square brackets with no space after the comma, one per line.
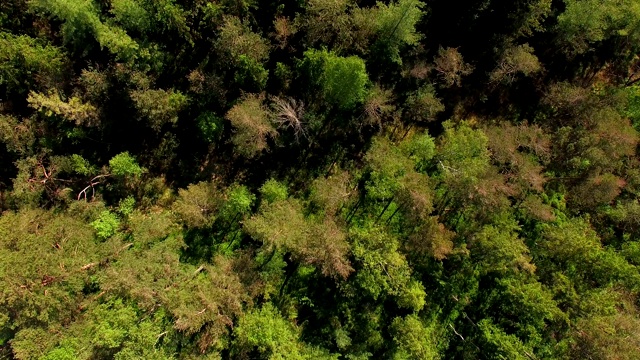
[342,80]
[451,67]
[396,26]
[27,62]
[378,105]
[281,225]
[72,110]
[79,19]
[252,122]
[381,270]
[423,105]
[245,50]
[197,205]
[414,339]
[584,23]
[514,61]
[265,331]
[159,107]
[44,269]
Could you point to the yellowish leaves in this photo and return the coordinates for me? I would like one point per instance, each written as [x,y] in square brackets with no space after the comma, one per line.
[72,110]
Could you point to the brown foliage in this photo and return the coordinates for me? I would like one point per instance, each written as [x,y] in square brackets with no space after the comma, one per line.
[432,238]
[451,66]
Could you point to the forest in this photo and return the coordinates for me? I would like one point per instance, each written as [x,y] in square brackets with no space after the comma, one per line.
[319,179]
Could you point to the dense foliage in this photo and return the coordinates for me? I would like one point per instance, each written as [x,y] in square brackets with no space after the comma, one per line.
[319,179]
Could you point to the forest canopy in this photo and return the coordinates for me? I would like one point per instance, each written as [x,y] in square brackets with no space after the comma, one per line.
[319,179]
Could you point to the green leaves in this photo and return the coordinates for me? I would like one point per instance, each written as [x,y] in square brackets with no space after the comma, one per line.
[273,337]
[273,190]
[342,80]
[586,22]
[124,164]
[21,57]
[106,225]
[159,107]
[80,18]
[396,25]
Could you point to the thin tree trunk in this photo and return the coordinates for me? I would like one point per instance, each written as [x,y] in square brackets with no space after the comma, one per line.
[392,215]
[226,231]
[406,132]
[384,210]
[353,211]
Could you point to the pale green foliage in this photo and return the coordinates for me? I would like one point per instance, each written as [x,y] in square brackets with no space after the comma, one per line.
[72,110]
[251,72]
[388,166]
[414,339]
[115,329]
[532,303]
[590,21]
[200,299]
[273,190]
[239,201]
[514,61]
[112,323]
[574,245]
[463,153]
[82,166]
[421,148]
[331,192]
[413,296]
[396,24]
[131,14]
[124,164]
[106,225]
[22,57]
[507,346]
[266,330]
[61,353]
[499,249]
[382,270]
[342,80]
[159,106]
[251,121]
[126,205]
[80,18]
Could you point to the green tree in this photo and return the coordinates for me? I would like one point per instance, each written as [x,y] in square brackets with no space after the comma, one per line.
[342,80]
[396,26]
